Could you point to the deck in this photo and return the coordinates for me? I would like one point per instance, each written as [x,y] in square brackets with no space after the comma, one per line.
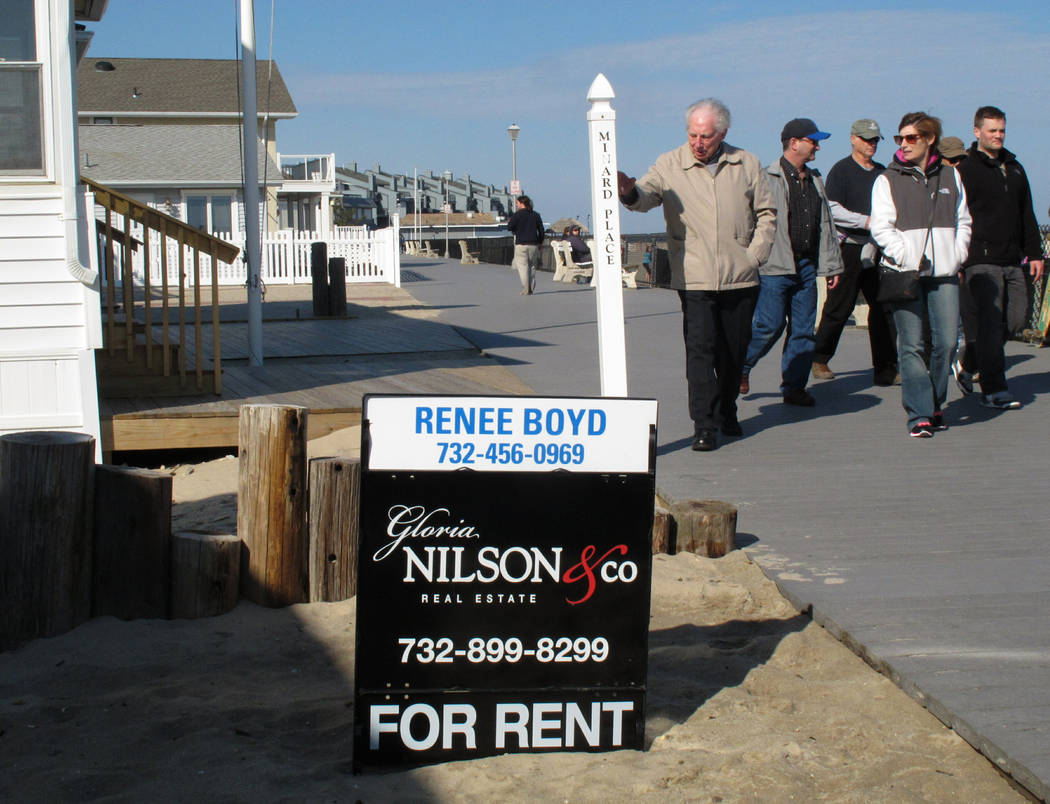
[388,344]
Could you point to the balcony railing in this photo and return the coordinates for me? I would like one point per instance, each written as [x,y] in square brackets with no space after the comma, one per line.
[308,169]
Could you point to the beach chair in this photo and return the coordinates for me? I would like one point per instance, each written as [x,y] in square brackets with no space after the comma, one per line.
[426,250]
[411,248]
[468,257]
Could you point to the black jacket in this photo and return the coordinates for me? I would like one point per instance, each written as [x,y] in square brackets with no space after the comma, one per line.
[527,227]
[1004,225]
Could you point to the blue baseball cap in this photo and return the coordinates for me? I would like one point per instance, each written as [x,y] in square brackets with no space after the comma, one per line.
[800,128]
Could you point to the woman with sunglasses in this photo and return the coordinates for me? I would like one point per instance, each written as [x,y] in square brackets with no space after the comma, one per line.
[920,220]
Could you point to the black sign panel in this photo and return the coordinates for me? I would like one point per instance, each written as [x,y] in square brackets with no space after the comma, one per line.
[501,611]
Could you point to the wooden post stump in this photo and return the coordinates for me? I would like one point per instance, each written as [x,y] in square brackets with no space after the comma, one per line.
[663,524]
[335,494]
[206,570]
[319,277]
[337,287]
[131,557]
[705,527]
[271,504]
[46,480]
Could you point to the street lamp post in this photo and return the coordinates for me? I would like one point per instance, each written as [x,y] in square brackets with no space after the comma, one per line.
[448,208]
[513,129]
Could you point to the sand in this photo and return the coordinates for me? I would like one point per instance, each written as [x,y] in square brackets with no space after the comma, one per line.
[748,700]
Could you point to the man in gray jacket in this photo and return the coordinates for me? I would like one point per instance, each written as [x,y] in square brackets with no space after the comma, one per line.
[720,222]
[804,246]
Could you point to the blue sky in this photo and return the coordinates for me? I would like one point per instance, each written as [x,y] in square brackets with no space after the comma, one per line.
[435,85]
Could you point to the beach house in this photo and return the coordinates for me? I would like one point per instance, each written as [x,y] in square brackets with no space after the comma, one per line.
[167,132]
[49,291]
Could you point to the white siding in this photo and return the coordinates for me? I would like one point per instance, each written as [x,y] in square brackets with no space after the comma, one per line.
[42,306]
[49,392]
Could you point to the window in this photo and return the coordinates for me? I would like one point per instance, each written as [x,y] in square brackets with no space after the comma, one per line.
[210,213]
[21,123]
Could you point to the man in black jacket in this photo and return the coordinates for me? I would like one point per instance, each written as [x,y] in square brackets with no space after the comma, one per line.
[527,227]
[1004,233]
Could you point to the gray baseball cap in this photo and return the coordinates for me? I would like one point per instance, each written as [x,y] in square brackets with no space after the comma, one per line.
[866,129]
[951,148]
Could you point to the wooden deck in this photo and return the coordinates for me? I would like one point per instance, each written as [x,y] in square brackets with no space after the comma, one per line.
[390,344]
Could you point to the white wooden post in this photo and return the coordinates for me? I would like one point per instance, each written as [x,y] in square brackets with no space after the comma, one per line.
[601,125]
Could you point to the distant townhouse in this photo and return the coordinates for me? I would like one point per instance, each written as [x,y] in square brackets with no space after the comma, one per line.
[371,195]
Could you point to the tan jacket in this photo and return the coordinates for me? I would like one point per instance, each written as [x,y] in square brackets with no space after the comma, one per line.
[719,228]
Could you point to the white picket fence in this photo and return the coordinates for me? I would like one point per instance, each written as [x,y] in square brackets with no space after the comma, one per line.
[371,256]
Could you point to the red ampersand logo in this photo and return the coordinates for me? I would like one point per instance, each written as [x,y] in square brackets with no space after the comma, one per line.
[585,569]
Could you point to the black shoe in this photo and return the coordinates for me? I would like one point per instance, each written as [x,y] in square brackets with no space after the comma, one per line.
[887,377]
[705,441]
[800,397]
[731,427]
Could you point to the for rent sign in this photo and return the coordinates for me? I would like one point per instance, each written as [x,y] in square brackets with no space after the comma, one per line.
[503,576]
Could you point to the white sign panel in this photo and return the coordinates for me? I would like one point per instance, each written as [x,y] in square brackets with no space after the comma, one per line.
[509,434]
[515,187]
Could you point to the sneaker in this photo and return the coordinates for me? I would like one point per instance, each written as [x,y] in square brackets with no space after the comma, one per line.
[1000,400]
[800,397]
[962,378]
[921,429]
[745,385]
[822,372]
[937,422]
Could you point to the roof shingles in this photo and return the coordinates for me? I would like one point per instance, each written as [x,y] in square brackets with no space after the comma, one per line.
[186,86]
[170,156]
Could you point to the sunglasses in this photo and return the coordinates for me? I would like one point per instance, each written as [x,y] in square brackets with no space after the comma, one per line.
[871,140]
[911,139]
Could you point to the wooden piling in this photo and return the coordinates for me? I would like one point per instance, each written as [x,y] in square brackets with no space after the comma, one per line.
[319,277]
[663,525]
[337,287]
[205,574]
[272,504]
[131,554]
[46,480]
[335,494]
[704,527]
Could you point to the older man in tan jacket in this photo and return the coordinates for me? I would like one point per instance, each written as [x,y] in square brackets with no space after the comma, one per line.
[720,220]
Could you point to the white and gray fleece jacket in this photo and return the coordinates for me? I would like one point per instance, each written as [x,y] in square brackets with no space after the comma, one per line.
[901,201]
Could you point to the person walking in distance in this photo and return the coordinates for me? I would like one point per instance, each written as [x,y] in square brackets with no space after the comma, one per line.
[848,187]
[527,228]
[720,222]
[1005,232]
[804,246]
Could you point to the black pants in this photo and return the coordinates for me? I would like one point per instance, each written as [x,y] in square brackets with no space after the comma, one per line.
[716,326]
[995,289]
[839,304]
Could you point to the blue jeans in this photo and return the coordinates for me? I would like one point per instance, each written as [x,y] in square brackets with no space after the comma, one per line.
[789,300]
[924,388]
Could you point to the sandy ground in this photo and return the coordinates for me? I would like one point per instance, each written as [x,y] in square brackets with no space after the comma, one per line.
[747,701]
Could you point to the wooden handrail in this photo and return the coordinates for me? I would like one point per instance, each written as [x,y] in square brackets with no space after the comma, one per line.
[185,236]
[159,221]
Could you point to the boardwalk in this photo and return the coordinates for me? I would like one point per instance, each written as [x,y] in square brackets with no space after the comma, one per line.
[930,558]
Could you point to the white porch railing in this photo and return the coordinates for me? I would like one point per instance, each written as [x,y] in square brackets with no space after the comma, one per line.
[371,256]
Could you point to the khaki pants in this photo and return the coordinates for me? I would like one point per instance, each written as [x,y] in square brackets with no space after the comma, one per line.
[526,261]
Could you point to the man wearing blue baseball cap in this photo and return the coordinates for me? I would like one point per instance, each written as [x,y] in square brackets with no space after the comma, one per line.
[804,246]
